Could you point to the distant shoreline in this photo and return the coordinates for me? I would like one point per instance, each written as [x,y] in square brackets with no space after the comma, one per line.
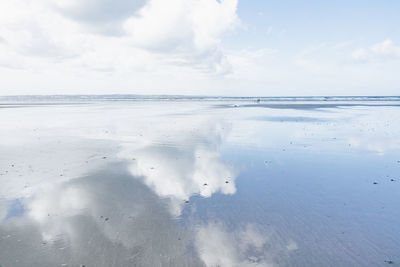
[131,97]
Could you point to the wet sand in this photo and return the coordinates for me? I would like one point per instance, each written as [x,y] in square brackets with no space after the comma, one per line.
[200,183]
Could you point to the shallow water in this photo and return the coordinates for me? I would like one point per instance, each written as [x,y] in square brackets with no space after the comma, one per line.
[200,183]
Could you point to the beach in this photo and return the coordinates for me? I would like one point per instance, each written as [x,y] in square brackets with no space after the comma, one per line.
[199,182]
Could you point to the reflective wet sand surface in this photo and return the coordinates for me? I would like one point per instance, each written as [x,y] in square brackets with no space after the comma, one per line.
[200,183]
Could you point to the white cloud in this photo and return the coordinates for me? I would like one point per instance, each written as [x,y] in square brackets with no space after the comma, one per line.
[191,30]
[98,11]
[385,50]
[117,36]
[173,47]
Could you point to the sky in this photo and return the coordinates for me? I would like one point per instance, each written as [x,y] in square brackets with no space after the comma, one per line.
[200,47]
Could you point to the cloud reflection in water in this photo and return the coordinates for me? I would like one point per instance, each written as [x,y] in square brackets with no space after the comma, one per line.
[188,165]
[105,219]
[81,205]
[244,246]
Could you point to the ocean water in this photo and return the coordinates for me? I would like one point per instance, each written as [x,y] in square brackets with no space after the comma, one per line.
[199,181]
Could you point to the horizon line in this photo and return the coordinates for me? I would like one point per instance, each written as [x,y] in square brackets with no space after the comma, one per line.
[183,95]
